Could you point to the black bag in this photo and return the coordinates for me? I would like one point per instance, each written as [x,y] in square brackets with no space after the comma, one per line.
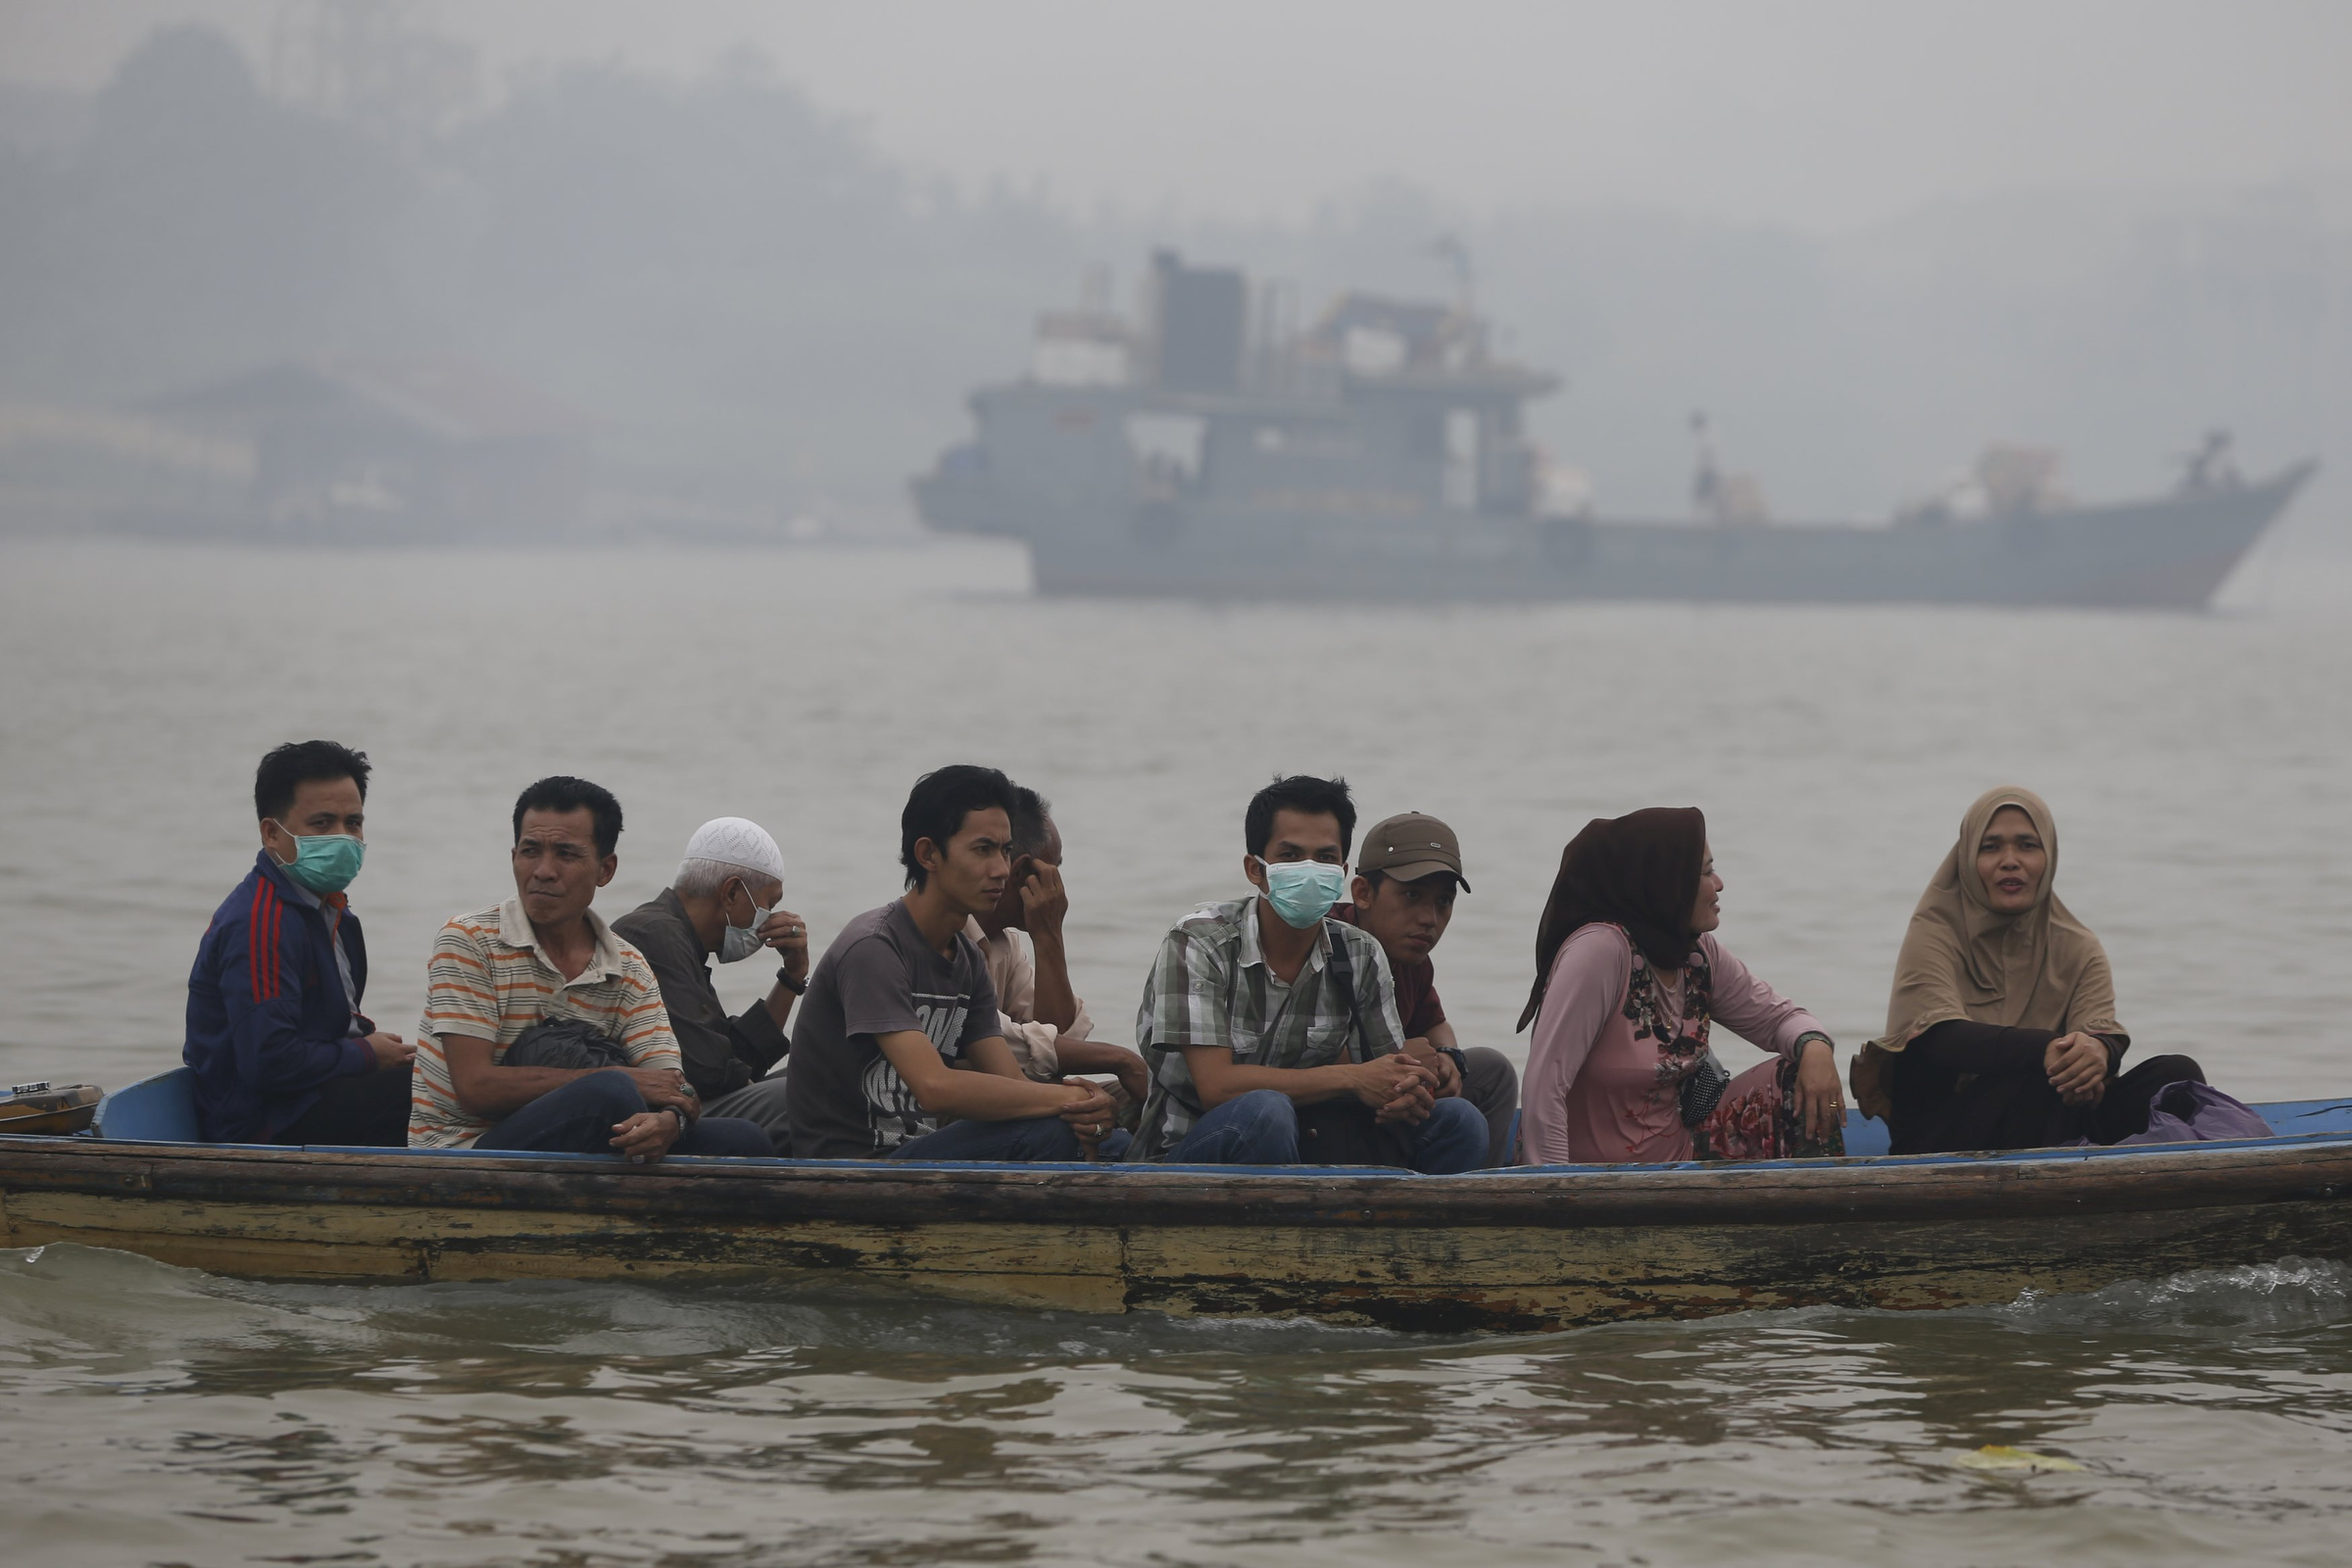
[1703,1089]
[1343,1131]
[568,1043]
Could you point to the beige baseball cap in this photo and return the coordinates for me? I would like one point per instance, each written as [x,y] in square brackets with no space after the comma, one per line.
[1411,845]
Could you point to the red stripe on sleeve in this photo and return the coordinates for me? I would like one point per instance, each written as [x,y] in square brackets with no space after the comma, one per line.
[268,989]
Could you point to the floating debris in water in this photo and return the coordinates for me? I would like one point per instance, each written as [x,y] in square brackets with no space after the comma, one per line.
[1997,1456]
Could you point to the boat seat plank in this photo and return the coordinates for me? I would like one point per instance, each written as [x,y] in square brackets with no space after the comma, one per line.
[158,1109]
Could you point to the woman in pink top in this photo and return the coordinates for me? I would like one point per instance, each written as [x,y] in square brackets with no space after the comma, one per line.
[1628,977]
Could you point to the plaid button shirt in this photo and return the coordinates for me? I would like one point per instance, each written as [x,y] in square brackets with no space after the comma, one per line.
[1210,986]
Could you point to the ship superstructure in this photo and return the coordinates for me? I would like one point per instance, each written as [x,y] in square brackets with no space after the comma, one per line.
[1204,448]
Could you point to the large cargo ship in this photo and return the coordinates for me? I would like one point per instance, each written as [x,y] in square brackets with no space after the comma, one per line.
[1202,450]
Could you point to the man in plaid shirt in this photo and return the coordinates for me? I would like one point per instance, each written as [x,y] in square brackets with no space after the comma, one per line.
[1262,1005]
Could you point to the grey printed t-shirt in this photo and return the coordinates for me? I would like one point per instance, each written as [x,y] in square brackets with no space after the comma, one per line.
[879,977]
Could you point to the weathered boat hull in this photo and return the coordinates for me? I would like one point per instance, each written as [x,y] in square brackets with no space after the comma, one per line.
[1519,1252]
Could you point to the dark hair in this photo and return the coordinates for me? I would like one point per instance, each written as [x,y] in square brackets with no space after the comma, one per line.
[299,762]
[1300,792]
[1031,813]
[1639,871]
[561,792]
[939,802]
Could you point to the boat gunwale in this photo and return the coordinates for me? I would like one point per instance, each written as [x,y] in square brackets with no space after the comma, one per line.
[2289,1169]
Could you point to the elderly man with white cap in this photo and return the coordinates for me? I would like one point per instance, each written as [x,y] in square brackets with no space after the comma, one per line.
[723,902]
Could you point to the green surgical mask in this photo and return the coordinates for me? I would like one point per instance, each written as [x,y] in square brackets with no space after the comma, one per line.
[1302,892]
[324,862]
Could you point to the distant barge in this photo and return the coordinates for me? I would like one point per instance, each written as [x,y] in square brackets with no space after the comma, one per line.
[1520,1250]
[1380,455]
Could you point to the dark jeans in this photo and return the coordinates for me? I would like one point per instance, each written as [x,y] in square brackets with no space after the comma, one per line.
[579,1117]
[368,1112]
[1491,1084]
[1261,1128]
[2021,1111]
[1033,1140]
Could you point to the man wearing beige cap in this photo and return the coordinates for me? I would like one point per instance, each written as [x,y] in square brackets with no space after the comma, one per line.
[1407,874]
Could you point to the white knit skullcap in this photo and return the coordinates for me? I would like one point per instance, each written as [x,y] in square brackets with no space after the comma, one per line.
[737,841]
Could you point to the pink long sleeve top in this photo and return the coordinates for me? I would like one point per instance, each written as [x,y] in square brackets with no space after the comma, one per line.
[1593,1093]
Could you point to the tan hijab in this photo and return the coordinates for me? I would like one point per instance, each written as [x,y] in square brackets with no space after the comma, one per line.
[2040,970]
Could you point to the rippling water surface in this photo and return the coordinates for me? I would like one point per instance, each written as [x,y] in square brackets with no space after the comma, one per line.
[158,1415]
[155,1415]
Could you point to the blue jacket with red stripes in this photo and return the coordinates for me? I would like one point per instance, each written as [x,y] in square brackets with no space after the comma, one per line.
[267,1023]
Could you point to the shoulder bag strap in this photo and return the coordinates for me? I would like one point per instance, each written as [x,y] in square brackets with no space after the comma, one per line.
[1343,969]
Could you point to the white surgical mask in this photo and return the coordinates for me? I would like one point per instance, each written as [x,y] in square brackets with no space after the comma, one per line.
[740,942]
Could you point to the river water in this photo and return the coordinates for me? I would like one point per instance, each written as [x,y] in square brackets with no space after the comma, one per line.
[160,1415]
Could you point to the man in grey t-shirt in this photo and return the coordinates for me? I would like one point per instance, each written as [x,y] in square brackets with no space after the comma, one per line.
[880,977]
[898,1030]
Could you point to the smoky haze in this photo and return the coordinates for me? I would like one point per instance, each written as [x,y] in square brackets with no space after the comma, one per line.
[764,250]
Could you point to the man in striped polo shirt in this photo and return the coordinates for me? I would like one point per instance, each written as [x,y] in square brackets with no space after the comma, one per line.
[544,954]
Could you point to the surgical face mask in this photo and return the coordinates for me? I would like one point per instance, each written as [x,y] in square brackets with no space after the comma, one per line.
[740,942]
[1302,892]
[324,862]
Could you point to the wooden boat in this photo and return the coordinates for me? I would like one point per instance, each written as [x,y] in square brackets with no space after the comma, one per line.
[39,1108]
[1530,1248]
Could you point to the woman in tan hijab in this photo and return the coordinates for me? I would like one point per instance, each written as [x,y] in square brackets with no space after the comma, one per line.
[2001,1032]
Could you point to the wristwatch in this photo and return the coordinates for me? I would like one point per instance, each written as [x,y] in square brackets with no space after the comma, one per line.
[1461,1063]
[796,987]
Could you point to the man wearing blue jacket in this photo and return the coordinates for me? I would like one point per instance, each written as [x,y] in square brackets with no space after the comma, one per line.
[282,1052]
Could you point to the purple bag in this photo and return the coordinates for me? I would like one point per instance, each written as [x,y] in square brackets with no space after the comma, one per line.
[2190,1113]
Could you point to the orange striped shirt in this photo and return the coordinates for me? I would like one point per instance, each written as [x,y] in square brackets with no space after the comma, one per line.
[490,979]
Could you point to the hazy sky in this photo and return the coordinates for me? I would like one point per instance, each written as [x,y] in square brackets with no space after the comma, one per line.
[1820,113]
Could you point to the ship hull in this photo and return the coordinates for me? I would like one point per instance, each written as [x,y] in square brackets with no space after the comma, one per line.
[2170,553]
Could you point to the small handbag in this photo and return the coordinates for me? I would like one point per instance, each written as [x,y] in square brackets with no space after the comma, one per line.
[1703,1089]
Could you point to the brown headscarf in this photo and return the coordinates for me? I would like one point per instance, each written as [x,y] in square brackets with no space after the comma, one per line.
[2040,969]
[1639,871]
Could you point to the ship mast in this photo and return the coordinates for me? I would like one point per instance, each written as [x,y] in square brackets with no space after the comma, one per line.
[1465,281]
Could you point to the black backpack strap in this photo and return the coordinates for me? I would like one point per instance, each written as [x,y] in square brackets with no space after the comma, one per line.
[1343,969]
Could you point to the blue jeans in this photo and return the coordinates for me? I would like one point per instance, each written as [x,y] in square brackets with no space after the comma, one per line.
[1261,1128]
[579,1117]
[1033,1140]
